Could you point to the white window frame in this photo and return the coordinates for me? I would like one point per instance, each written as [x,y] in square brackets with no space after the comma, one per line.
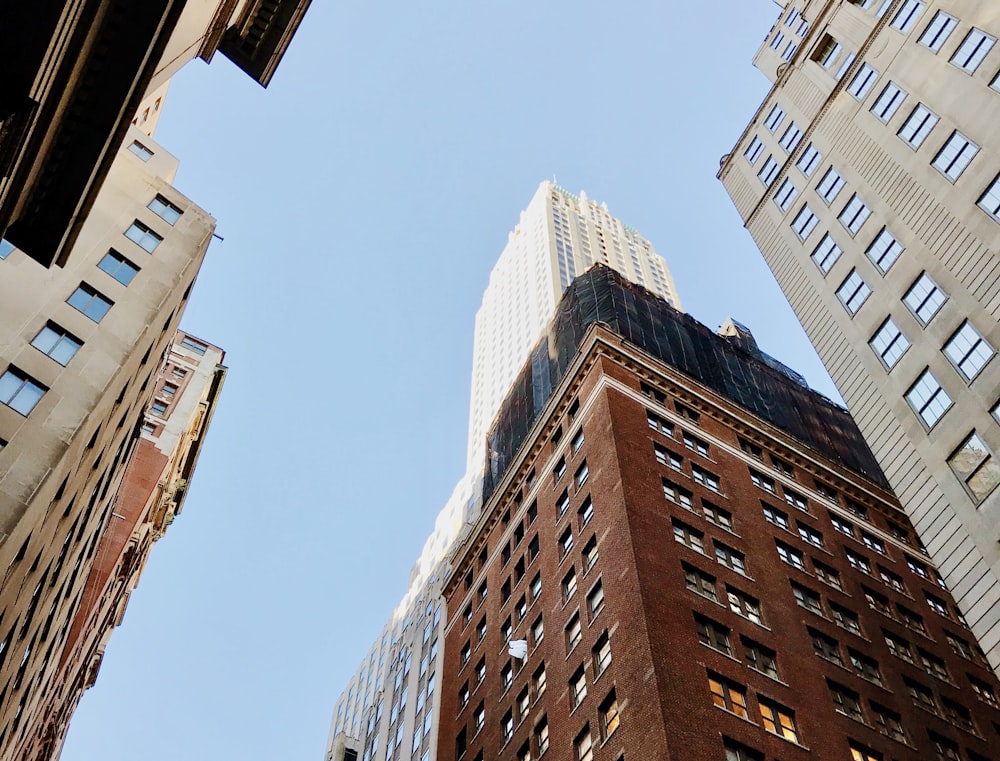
[928,398]
[786,194]
[753,151]
[853,292]
[955,155]
[804,223]
[925,298]
[884,250]
[774,118]
[826,253]
[888,102]
[862,82]
[918,125]
[854,215]
[768,171]
[968,351]
[973,50]
[907,15]
[830,185]
[809,160]
[989,201]
[791,137]
[937,32]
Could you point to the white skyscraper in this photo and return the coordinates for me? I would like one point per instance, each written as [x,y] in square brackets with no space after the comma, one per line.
[389,709]
[557,238]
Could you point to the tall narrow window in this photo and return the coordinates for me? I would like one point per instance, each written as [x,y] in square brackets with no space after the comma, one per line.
[928,398]
[791,137]
[786,195]
[854,214]
[774,118]
[753,151]
[989,201]
[938,31]
[805,222]
[906,16]
[830,186]
[888,102]
[809,160]
[862,81]
[826,254]
[769,171]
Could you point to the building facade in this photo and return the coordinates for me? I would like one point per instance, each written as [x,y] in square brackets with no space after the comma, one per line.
[559,235]
[83,346]
[155,483]
[703,561]
[868,179]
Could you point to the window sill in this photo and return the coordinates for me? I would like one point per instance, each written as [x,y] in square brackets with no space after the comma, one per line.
[790,742]
[736,715]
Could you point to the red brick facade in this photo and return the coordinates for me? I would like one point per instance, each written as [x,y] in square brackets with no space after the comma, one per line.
[686,559]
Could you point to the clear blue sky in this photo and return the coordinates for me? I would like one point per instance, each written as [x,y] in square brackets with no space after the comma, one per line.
[363,199]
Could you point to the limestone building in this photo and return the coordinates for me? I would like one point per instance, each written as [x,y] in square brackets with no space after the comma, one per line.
[701,560]
[869,180]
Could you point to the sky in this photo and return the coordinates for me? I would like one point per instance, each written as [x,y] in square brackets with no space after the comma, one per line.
[363,199]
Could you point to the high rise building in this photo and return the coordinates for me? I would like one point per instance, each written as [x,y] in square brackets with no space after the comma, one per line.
[152,493]
[75,75]
[695,556]
[868,179]
[388,709]
[558,236]
[83,346]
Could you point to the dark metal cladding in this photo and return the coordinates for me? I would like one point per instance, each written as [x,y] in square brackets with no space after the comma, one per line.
[726,365]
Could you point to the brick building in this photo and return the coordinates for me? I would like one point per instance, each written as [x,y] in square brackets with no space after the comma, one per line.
[705,563]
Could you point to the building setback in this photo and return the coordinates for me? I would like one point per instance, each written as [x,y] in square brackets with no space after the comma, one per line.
[703,560]
[868,179]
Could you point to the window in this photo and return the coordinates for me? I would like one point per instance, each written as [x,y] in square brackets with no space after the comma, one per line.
[523,704]
[844,66]
[507,676]
[889,343]
[696,444]
[831,184]
[169,389]
[853,292]
[577,688]
[862,81]
[778,39]
[590,554]
[808,599]
[790,139]
[888,102]
[938,31]
[731,558]
[602,655]
[809,160]
[854,215]
[582,473]
[753,151]
[826,647]
[659,424]
[677,494]
[975,466]
[858,562]
[718,516]
[19,391]
[796,500]
[826,253]
[928,399]
[728,696]
[811,535]
[700,583]
[574,633]
[143,236]
[786,195]
[192,345]
[744,605]
[769,171]
[778,720]
[944,749]
[776,517]
[984,692]
[790,49]
[595,600]
[933,665]
[861,752]
[937,605]
[542,735]
[586,512]
[845,701]
[884,250]
[689,536]
[506,630]
[955,155]
[774,118]
[583,746]
[532,547]
[790,555]
[805,222]
[891,579]
[463,696]
[974,48]
[140,150]
[918,126]
[120,268]
[705,478]
[610,717]
[968,351]
[826,51]
[873,543]
[538,682]
[865,667]
[479,717]
[665,457]
[924,298]
[738,752]
[158,407]
[990,200]
[57,343]
[762,482]
[481,630]
[911,620]
[559,470]
[907,15]
[85,299]
[481,671]
[844,618]
[165,210]
[566,543]
[577,441]
[760,658]
[713,634]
